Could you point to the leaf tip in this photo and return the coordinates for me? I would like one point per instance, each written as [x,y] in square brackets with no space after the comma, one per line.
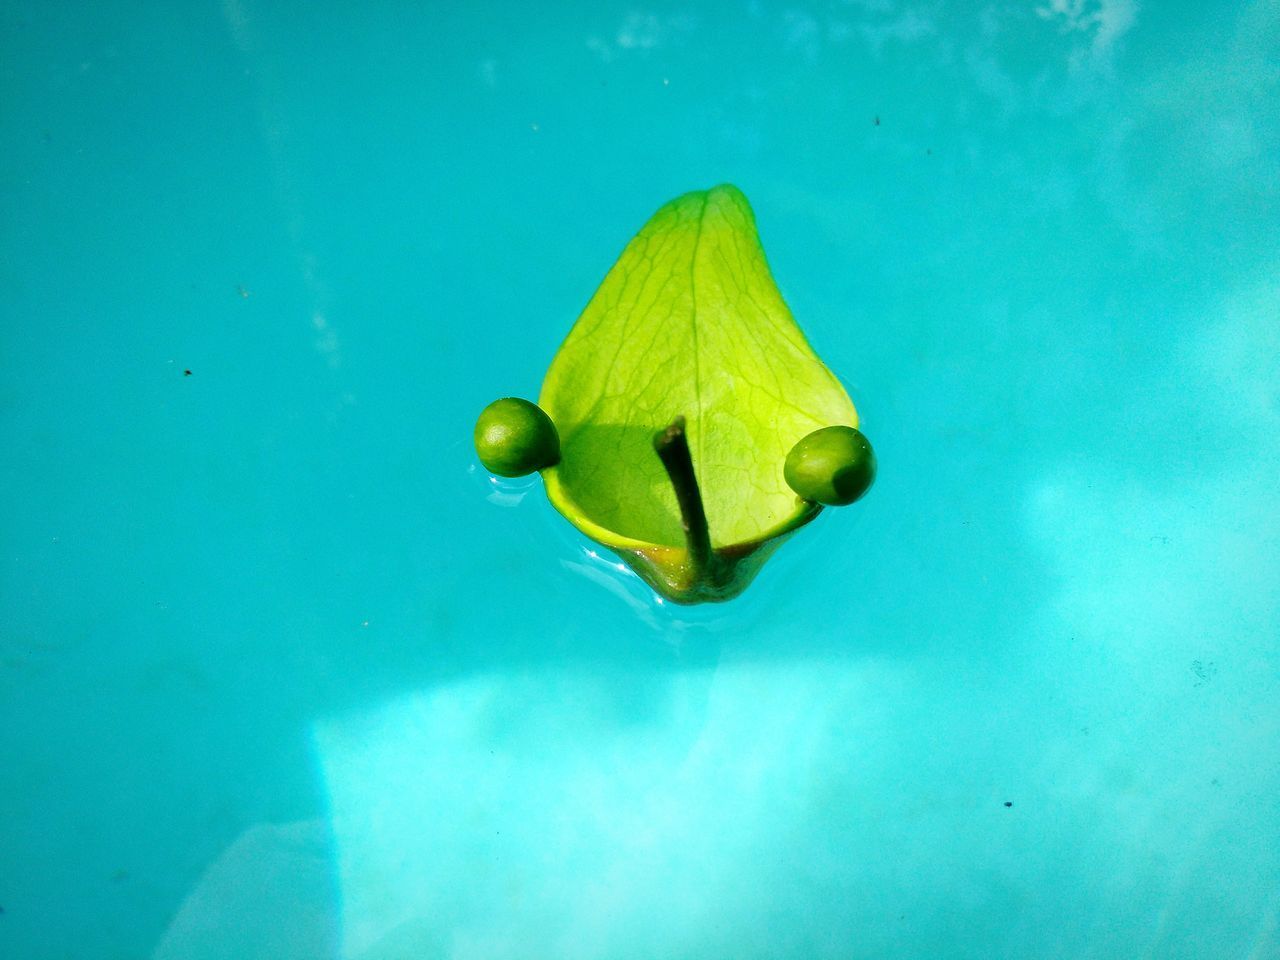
[727,190]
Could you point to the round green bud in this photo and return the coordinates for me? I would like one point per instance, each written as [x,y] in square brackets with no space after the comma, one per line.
[514,437]
[834,465]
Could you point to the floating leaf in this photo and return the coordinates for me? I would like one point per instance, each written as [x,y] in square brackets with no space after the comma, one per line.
[688,323]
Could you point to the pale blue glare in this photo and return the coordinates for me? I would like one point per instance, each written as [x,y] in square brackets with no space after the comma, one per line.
[284,675]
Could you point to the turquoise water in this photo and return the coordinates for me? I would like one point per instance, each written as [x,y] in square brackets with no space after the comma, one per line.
[284,675]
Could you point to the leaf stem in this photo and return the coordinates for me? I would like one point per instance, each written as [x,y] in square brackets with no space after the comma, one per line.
[672,447]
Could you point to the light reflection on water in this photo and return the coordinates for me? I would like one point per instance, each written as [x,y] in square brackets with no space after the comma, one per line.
[581,807]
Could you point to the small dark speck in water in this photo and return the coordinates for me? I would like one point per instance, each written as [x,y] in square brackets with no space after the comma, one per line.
[877,121]
[186,373]
[1008,803]
[1203,671]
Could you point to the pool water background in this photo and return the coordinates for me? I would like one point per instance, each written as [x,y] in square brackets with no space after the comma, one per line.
[283,674]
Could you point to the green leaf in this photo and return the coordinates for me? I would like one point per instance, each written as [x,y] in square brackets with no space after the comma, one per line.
[687,323]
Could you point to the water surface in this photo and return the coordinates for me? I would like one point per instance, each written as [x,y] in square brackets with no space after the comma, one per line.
[283,675]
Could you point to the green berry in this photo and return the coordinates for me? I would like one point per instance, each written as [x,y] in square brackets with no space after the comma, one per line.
[514,437]
[834,465]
